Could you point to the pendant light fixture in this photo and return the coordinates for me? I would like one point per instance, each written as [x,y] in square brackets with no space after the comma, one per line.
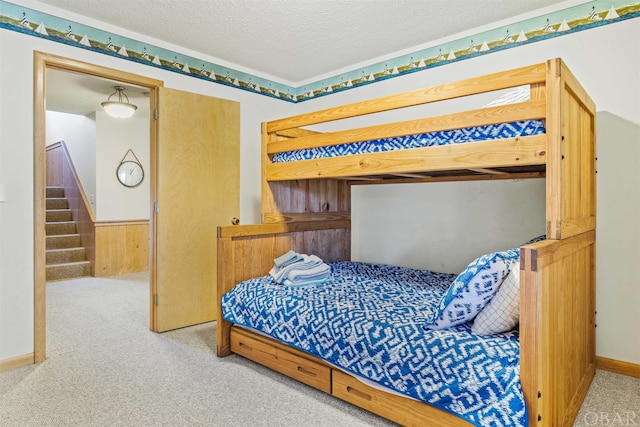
[119,108]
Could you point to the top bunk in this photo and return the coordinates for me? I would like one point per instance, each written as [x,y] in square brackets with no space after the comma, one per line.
[520,139]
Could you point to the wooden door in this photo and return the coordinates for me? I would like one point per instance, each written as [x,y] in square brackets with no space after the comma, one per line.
[196,189]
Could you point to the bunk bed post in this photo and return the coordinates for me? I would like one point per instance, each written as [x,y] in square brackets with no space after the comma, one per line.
[571,181]
[267,198]
[557,327]
[530,335]
[554,151]
[557,333]
[224,283]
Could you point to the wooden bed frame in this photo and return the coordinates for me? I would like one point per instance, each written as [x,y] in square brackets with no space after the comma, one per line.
[306,207]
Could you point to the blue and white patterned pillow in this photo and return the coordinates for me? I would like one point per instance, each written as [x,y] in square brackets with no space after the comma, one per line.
[473,289]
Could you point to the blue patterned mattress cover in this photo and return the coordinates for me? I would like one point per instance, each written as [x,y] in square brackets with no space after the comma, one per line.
[455,136]
[369,321]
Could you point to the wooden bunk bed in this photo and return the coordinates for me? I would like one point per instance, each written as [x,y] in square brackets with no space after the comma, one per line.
[306,208]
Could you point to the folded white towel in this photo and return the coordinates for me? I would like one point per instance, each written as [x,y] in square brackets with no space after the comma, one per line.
[286,259]
[294,269]
[305,263]
[318,271]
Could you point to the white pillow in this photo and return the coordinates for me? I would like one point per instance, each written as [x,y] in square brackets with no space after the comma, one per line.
[472,289]
[502,313]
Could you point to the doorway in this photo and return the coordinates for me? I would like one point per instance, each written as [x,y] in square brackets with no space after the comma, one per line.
[195,142]
[42,63]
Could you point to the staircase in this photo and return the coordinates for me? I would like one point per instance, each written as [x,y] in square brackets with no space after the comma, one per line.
[65,256]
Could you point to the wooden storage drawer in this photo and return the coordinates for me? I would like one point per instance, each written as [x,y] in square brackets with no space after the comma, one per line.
[402,410]
[275,356]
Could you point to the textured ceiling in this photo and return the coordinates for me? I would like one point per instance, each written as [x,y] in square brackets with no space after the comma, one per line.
[294,41]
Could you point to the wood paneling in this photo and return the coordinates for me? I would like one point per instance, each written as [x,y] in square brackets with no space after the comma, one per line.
[55,163]
[121,248]
[301,199]
[80,209]
[60,170]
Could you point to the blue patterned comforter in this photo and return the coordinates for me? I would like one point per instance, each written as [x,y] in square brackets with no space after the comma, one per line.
[455,136]
[369,321]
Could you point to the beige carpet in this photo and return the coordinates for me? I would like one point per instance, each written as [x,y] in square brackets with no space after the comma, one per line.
[105,368]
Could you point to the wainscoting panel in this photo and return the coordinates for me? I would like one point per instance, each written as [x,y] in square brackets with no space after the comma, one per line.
[121,247]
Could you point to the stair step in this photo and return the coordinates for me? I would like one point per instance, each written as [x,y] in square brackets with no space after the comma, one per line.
[68,270]
[57,228]
[55,203]
[63,241]
[65,256]
[54,192]
[60,256]
[54,215]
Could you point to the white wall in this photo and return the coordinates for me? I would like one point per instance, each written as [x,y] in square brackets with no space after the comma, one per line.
[618,249]
[444,226]
[115,137]
[606,60]
[97,143]
[79,135]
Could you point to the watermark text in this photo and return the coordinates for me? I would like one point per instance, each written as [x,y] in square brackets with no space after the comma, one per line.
[611,418]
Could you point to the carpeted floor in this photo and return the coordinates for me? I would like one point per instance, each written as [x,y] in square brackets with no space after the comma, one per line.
[105,368]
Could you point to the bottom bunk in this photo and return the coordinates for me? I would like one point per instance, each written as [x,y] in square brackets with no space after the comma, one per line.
[387,325]
[476,377]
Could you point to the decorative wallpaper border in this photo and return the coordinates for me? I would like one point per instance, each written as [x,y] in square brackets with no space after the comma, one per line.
[566,21]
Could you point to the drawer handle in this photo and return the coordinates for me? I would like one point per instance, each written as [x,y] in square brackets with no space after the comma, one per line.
[358,393]
[244,346]
[306,371]
[266,353]
[250,349]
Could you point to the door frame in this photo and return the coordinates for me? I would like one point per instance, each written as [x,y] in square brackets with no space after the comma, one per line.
[41,62]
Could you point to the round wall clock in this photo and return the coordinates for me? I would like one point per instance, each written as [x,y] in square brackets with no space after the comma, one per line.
[130,172]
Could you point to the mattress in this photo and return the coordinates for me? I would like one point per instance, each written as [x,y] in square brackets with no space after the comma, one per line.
[455,136]
[369,321]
